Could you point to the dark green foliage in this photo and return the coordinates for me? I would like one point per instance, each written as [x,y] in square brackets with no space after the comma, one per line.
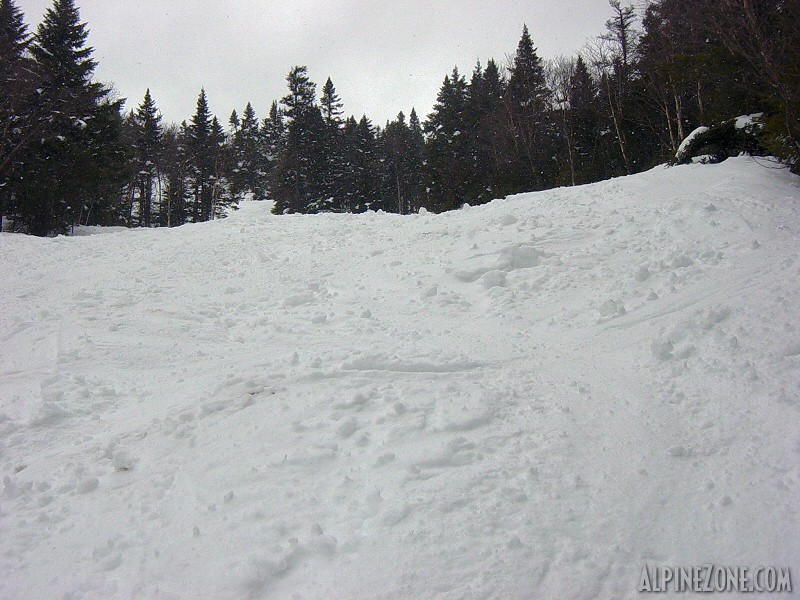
[16,102]
[584,118]
[147,142]
[300,170]
[176,168]
[766,37]
[448,146]
[331,105]
[722,141]
[528,119]
[403,150]
[74,167]
[489,157]
[200,146]
[247,168]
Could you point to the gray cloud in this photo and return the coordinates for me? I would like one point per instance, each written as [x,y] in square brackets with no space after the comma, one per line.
[383,56]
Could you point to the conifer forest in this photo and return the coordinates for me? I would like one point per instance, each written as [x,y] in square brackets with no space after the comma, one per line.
[70,155]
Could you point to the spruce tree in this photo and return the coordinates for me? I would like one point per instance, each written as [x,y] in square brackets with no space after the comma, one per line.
[76,167]
[402,156]
[301,167]
[585,123]
[16,86]
[528,120]
[220,155]
[247,172]
[176,170]
[367,160]
[448,147]
[485,118]
[395,144]
[331,108]
[416,162]
[331,105]
[148,146]
[272,140]
[201,159]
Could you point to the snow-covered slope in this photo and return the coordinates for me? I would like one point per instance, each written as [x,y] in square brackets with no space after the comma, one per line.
[529,399]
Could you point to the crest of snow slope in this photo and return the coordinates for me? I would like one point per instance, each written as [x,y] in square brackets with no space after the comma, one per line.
[529,399]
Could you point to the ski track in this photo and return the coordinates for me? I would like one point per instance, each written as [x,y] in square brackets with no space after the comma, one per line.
[531,398]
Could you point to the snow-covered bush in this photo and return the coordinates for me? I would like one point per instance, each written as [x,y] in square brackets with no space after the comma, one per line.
[719,142]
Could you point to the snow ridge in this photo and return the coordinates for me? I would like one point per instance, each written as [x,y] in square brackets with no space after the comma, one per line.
[532,398]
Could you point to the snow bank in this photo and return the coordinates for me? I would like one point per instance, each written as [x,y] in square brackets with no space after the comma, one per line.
[529,399]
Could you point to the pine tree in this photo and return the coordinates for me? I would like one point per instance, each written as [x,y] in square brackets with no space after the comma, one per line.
[272,141]
[16,86]
[585,123]
[348,183]
[176,174]
[448,147]
[148,146]
[331,105]
[301,167]
[76,167]
[764,35]
[220,154]
[416,163]
[395,144]
[247,173]
[485,119]
[367,193]
[527,102]
[201,159]
[302,94]
[331,108]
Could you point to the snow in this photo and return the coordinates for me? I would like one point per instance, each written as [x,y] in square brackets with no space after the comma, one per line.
[528,399]
[689,139]
[746,121]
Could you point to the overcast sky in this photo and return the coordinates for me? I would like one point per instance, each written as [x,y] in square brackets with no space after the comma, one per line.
[383,56]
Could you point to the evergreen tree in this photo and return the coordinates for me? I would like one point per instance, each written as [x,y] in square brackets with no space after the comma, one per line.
[765,36]
[348,182]
[488,150]
[415,182]
[332,178]
[527,103]
[200,146]
[396,140]
[367,166]
[220,151]
[176,174]
[359,184]
[76,166]
[301,167]
[584,123]
[272,141]
[148,146]
[448,148]
[247,171]
[331,105]
[16,87]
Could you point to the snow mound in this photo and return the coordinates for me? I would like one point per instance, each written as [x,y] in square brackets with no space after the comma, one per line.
[528,399]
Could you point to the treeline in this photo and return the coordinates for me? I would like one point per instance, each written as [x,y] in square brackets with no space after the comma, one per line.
[70,156]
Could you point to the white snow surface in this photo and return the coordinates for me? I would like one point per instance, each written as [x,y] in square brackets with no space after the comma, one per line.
[528,399]
[689,139]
